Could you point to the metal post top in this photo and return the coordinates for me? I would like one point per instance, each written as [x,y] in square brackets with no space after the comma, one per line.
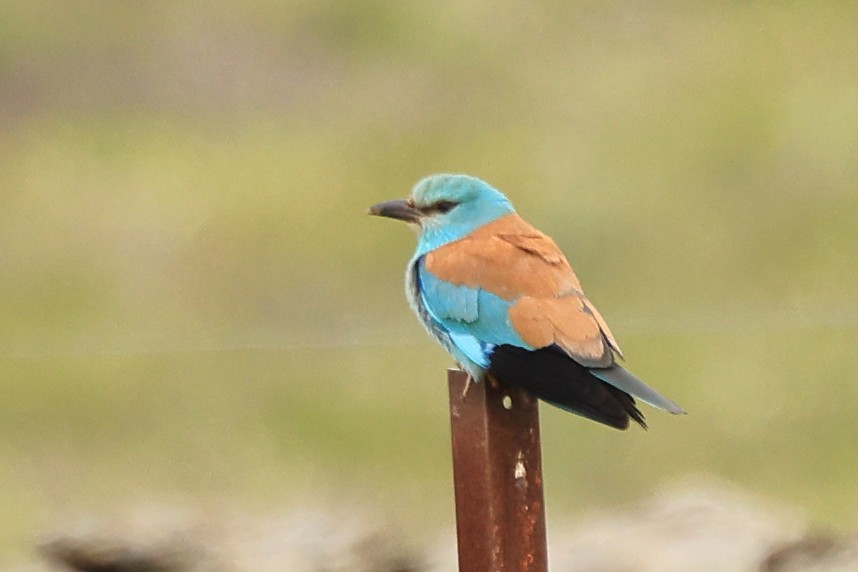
[497,473]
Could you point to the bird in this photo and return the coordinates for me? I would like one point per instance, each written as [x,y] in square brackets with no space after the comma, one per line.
[503,300]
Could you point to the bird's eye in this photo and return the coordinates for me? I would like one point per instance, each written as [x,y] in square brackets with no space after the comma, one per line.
[444,207]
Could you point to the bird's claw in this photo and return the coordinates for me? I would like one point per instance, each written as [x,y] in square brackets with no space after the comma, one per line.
[468,383]
[491,380]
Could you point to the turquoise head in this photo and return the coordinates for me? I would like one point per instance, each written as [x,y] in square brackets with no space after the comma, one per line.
[446,208]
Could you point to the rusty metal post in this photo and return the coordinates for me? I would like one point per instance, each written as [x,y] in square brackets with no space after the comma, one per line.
[497,474]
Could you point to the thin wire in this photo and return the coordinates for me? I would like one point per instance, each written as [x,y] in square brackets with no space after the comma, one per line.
[699,324]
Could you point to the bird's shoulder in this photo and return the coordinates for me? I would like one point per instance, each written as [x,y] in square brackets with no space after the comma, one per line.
[507,257]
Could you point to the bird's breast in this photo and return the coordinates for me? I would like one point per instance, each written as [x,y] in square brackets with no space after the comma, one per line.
[414,294]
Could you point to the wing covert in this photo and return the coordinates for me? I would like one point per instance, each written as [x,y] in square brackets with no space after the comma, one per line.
[464,310]
[514,262]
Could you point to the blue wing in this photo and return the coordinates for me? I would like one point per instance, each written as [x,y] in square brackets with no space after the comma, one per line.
[475,321]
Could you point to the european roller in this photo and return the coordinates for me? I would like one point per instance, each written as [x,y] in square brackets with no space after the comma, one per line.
[503,300]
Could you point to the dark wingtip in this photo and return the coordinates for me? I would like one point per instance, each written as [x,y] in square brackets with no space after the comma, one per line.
[629,405]
[638,417]
[559,380]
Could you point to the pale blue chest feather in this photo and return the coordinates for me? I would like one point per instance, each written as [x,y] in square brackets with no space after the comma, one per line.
[468,322]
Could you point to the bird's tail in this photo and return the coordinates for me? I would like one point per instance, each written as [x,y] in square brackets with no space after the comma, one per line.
[627,382]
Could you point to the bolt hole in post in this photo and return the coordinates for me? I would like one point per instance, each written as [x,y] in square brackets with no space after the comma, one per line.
[506,401]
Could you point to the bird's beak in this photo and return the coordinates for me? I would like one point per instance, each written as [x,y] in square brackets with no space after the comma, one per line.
[398,209]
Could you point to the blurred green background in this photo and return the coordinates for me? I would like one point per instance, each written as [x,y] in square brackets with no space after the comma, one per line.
[194,307]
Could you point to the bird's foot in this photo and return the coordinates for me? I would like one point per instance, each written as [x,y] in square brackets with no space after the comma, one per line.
[468,383]
[492,381]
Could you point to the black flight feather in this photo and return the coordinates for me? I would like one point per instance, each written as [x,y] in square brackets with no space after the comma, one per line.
[551,375]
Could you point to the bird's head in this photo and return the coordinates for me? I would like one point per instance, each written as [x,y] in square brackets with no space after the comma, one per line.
[445,208]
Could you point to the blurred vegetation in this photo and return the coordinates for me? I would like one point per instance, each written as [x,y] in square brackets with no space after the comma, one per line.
[193,306]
